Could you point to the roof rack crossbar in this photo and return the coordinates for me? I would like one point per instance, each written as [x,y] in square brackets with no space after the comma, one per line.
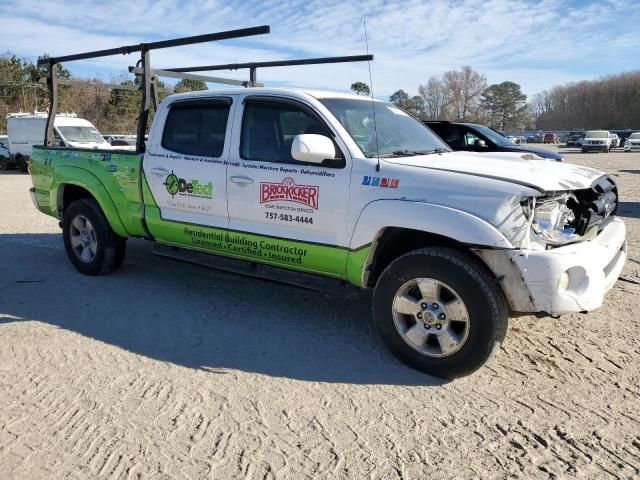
[253,66]
[176,42]
[147,91]
[277,63]
[190,76]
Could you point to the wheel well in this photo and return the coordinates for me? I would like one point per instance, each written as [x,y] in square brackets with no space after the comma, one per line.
[395,242]
[69,194]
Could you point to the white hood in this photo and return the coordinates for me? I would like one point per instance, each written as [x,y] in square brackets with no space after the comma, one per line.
[102,145]
[521,168]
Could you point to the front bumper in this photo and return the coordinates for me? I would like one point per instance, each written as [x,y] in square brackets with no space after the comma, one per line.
[601,147]
[576,277]
[632,148]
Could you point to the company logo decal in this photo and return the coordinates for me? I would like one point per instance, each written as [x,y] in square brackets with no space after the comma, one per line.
[381,182]
[288,191]
[179,186]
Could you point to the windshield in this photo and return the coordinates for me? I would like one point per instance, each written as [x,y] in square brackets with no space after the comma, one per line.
[81,134]
[597,134]
[398,132]
[635,136]
[494,136]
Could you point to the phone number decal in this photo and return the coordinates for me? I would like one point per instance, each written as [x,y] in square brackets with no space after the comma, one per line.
[285,217]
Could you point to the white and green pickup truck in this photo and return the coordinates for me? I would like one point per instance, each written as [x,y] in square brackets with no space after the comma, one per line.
[452,243]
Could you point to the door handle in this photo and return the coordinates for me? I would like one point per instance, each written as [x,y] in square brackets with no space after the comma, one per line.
[242,180]
[160,171]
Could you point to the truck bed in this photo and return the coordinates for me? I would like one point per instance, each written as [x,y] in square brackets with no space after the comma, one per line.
[112,176]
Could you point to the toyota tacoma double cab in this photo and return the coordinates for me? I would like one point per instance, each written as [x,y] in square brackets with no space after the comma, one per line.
[355,189]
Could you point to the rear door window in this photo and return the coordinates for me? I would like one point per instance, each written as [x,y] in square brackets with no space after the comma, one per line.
[197,128]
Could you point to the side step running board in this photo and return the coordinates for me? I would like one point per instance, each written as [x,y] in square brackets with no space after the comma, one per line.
[306,281]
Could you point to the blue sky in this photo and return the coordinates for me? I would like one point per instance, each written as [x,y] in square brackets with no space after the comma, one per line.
[537,44]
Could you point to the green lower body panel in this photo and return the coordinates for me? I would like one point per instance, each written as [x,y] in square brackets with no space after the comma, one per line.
[332,261]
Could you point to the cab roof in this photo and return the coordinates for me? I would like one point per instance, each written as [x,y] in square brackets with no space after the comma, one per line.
[291,92]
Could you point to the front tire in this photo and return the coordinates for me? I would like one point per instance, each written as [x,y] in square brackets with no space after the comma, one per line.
[440,311]
[91,245]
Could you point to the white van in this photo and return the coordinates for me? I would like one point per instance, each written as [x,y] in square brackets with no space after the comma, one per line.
[27,129]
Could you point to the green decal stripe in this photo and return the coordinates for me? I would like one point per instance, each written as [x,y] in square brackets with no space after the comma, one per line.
[283,253]
[331,260]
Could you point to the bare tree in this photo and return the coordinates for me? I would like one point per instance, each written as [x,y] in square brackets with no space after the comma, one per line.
[436,98]
[455,95]
[465,87]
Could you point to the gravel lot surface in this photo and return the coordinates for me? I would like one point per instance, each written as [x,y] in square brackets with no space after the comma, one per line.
[165,370]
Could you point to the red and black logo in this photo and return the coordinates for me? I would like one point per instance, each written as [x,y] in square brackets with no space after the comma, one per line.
[288,191]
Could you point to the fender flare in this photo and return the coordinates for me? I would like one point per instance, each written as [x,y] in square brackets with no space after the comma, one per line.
[69,175]
[448,222]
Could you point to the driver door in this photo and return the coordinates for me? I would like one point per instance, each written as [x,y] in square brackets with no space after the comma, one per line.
[280,199]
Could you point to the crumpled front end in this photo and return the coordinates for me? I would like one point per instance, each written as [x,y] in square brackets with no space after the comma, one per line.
[547,276]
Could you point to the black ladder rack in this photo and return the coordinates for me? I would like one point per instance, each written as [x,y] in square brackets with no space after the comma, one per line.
[144,49]
[149,87]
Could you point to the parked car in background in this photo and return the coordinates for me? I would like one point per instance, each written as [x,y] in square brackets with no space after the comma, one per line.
[579,140]
[551,138]
[615,140]
[27,129]
[632,143]
[597,140]
[573,136]
[4,156]
[478,138]
[120,140]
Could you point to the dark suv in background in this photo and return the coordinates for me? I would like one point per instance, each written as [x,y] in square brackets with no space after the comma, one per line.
[574,136]
[478,138]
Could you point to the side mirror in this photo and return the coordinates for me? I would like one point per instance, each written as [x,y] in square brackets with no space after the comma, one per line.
[312,148]
[480,143]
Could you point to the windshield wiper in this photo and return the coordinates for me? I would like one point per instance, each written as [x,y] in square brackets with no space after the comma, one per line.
[435,150]
[408,153]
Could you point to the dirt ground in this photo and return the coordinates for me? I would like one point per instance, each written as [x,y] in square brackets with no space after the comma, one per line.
[165,370]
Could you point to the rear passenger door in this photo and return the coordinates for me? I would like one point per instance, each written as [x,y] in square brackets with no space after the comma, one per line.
[185,165]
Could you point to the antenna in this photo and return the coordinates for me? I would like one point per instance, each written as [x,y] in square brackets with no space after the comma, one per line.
[373,103]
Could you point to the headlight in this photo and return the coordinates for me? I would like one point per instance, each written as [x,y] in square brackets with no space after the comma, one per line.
[627,142]
[552,219]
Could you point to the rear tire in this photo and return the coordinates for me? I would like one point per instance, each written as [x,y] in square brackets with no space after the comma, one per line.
[432,334]
[91,245]
[21,164]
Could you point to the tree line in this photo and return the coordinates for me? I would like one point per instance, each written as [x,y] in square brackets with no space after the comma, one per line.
[456,95]
[611,102]
[111,110]
[464,96]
